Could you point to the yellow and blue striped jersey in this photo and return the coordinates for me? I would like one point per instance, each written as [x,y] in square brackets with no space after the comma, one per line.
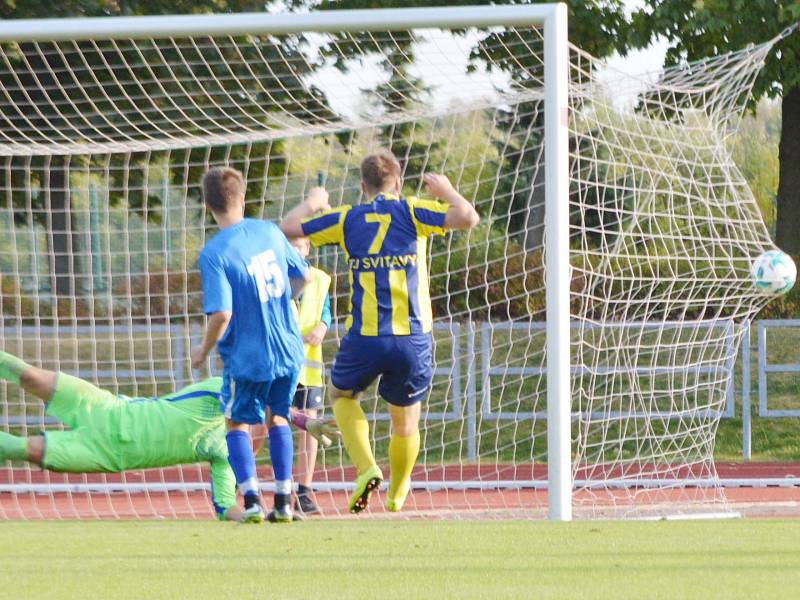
[386,245]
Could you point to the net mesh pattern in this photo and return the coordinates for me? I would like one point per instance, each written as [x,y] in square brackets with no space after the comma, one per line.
[102,146]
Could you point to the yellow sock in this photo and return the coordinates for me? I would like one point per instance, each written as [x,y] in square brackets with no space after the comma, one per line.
[352,422]
[403,453]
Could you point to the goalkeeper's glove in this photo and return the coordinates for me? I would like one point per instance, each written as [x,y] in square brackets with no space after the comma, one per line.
[324,432]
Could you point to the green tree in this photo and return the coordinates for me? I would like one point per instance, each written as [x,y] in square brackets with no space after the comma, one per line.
[755,152]
[511,146]
[37,71]
[600,28]
[697,29]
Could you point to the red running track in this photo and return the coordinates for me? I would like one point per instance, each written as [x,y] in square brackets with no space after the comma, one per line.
[507,502]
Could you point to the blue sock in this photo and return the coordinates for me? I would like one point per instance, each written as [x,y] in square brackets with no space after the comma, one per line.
[242,461]
[281,452]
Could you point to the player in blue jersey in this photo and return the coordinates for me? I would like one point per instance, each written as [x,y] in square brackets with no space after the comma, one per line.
[389,328]
[246,271]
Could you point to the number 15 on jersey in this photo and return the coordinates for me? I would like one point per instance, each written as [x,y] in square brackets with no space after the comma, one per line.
[268,275]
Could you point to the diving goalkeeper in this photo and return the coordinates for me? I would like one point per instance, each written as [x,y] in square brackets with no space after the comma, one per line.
[110,433]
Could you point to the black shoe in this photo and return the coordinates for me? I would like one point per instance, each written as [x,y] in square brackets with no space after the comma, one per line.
[305,505]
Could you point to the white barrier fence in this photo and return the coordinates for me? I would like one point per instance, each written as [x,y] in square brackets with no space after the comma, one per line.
[470,369]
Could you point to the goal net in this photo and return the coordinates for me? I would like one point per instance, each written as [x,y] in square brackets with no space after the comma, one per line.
[104,139]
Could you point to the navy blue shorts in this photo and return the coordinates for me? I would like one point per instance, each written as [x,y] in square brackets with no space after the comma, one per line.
[404,362]
[246,401]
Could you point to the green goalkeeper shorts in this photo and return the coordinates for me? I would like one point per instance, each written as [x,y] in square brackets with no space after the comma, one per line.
[94,416]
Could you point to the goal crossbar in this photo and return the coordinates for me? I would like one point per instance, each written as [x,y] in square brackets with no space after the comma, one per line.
[389,19]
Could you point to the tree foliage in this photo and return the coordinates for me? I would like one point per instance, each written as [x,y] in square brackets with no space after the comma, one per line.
[755,152]
[600,28]
[697,29]
[32,9]
[124,179]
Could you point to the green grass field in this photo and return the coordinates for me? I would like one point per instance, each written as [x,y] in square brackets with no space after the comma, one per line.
[410,559]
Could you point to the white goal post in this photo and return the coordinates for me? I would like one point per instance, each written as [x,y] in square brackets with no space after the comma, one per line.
[621,197]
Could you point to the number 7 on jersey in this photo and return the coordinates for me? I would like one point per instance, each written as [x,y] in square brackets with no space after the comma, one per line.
[383,222]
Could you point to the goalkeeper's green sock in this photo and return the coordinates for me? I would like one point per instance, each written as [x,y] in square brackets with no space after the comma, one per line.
[12,447]
[352,422]
[11,367]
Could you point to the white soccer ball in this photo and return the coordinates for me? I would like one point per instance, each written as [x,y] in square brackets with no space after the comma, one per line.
[774,272]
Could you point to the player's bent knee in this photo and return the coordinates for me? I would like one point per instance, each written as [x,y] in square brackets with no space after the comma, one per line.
[405,419]
[335,393]
[406,429]
[277,420]
[234,425]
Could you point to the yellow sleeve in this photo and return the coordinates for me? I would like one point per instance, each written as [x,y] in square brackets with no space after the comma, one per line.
[327,227]
[428,216]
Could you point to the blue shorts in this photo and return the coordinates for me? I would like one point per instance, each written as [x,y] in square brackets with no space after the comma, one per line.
[247,401]
[404,362]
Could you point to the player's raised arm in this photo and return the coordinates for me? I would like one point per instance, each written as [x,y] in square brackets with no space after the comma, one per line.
[317,200]
[461,214]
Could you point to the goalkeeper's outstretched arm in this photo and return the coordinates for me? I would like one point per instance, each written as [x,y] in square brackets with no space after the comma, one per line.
[223,490]
[324,432]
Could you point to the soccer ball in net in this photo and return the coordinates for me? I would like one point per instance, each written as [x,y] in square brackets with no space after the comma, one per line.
[774,272]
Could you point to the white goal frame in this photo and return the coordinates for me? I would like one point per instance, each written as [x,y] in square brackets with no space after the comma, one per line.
[553,18]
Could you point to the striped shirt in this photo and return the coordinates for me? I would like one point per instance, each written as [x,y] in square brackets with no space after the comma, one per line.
[386,246]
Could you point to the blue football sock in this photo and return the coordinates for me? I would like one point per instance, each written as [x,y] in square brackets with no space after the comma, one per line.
[242,461]
[281,452]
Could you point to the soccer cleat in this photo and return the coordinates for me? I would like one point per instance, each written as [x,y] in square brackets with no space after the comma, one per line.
[366,483]
[254,514]
[395,504]
[305,505]
[281,515]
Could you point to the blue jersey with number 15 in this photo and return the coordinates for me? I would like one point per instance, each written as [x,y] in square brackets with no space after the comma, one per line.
[245,269]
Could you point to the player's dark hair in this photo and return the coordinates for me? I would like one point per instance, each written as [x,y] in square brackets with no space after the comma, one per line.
[378,169]
[222,186]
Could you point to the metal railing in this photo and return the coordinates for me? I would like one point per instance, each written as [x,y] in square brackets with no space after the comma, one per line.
[765,368]
[469,370]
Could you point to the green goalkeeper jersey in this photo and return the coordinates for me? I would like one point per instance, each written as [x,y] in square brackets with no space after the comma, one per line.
[117,433]
[182,427]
